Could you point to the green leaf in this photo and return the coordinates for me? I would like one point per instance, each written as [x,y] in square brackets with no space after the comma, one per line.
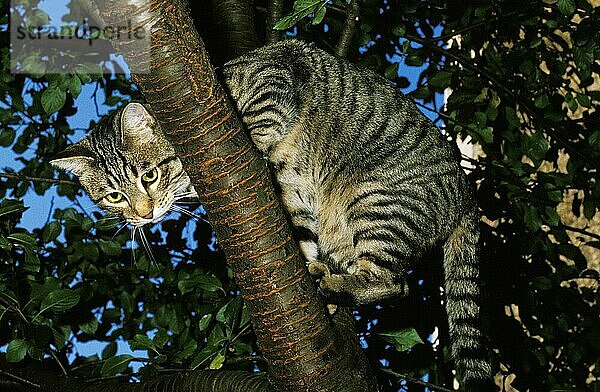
[402,340]
[59,301]
[89,327]
[391,72]
[5,244]
[7,136]
[532,219]
[53,99]
[186,286]
[589,208]
[161,338]
[127,302]
[112,100]
[61,335]
[208,283]
[218,361]
[399,30]
[285,23]
[51,231]
[187,351]
[116,365]
[584,100]
[16,350]
[542,101]
[109,351]
[217,336]
[75,86]
[421,93]
[319,15]
[204,322]
[9,207]
[552,216]
[486,134]
[204,355]
[441,79]
[110,248]
[512,118]
[142,342]
[24,240]
[566,7]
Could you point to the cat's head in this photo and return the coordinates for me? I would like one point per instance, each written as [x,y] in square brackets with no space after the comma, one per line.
[128,167]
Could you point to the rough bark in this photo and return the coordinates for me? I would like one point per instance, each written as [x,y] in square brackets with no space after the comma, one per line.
[352,14]
[226,26]
[274,13]
[303,348]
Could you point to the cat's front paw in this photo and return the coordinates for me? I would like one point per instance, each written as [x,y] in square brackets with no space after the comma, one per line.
[331,285]
[318,270]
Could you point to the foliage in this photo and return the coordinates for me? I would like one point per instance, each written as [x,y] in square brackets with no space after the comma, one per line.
[524,83]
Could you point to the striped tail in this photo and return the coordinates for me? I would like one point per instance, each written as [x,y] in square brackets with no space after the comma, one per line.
[461,270]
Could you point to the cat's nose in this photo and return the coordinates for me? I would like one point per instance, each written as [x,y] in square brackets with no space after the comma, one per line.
[150,215]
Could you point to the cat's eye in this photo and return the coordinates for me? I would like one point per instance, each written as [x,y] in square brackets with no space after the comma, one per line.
[114,197]
[150,176]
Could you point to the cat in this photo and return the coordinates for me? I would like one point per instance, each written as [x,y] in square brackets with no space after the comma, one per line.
[368,182]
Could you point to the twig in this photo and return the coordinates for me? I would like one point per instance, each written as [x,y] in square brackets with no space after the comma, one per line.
[444,116]
[474,26]
[274,14]
[38,179]
[416,381]
[335,8]
[245,358]
[352,15]
[50,210]
[62,368]
[582,231]
[20,380]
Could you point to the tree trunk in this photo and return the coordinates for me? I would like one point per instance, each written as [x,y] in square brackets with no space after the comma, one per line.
[303,348]
[226,27]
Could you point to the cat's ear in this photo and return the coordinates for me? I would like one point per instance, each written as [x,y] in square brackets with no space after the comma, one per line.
[76,158]
[137,124]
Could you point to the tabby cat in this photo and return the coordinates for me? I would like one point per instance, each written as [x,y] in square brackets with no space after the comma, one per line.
[368,182]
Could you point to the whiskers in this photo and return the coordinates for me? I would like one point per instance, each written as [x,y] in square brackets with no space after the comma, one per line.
[145,244]
[123,225]
[110,221]
[188,213]
[186,198]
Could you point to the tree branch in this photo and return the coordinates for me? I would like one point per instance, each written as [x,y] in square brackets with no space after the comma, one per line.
[352,15]
[415,381]
[274,13]
[227,27]
[581,231]
[14,176]
[19,380]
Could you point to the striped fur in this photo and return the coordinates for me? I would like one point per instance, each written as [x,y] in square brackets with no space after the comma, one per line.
[368,182]
[114,158]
